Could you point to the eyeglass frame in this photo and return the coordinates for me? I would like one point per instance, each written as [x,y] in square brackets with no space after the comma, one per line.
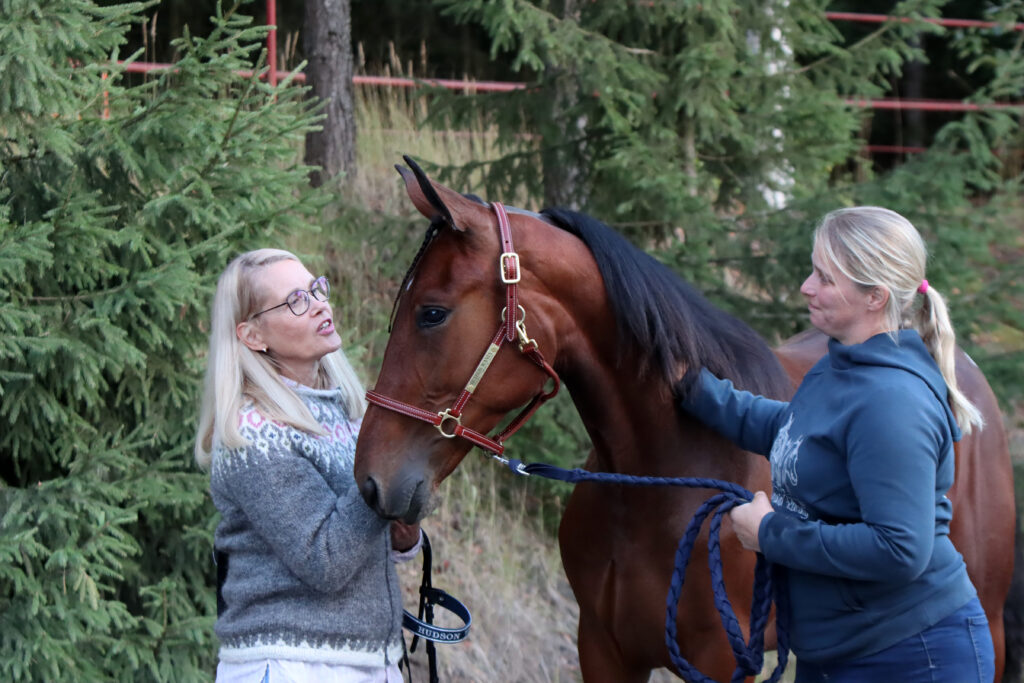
[311,292]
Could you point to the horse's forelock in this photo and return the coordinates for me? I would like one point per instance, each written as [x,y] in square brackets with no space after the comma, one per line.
[435,226]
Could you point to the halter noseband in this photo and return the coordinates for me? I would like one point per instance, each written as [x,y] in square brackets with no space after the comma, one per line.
[511,329]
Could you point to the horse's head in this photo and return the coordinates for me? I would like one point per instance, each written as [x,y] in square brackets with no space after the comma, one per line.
[448,318]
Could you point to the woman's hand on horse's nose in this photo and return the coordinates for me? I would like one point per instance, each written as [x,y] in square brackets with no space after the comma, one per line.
[746,520]
[404,536]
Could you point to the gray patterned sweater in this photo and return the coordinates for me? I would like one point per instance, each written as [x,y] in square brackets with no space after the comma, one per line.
[310,576]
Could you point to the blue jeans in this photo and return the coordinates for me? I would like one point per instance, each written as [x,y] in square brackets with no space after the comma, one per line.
[958,649]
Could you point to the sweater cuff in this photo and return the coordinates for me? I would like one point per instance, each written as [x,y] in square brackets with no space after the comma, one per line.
[762,534]
[400,556]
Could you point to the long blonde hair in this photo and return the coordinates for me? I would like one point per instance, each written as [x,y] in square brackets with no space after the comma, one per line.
[876,247]
[235,373]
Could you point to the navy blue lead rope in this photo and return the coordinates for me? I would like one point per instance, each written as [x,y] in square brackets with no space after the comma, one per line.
[750,655]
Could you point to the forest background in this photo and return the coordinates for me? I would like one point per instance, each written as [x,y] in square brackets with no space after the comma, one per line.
[712,134]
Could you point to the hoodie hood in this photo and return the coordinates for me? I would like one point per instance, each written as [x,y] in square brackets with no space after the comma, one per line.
[907,353]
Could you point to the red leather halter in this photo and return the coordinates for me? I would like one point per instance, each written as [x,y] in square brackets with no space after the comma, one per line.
[512,328]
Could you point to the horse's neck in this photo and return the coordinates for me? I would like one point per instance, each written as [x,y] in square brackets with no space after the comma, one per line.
[629,412]
[637,428]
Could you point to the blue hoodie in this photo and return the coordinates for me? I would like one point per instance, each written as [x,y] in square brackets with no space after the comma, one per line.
[862,458]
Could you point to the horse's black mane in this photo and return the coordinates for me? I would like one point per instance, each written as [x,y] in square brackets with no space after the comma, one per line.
[670,320]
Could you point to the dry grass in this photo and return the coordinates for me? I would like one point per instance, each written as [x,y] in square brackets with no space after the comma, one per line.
[492,556]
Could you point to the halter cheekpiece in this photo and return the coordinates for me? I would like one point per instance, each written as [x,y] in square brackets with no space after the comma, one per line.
[511,329]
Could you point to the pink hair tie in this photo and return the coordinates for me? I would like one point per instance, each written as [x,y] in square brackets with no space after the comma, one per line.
[924,286]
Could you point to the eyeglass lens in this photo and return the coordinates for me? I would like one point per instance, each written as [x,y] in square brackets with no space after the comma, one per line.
[298,301]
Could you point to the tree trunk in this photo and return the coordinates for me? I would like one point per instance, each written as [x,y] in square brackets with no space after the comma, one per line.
[564,154]
[327,43]
[913,89]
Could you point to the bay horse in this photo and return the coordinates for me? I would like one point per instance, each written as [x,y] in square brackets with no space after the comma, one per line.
[621,331]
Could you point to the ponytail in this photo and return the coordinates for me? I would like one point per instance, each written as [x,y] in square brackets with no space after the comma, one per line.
[931,320]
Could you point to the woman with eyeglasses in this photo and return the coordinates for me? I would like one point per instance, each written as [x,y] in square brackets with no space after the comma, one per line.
[307,589]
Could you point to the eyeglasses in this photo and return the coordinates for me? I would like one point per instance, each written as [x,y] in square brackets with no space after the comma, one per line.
[298,301]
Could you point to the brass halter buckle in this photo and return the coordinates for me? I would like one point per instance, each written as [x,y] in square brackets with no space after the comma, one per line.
[509,258]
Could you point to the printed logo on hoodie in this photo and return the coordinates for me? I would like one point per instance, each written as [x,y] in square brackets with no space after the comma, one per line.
[784,457]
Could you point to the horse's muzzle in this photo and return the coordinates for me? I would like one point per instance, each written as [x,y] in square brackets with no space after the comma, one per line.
[406,502]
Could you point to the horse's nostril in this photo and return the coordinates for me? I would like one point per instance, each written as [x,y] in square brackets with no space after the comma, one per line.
[369,491]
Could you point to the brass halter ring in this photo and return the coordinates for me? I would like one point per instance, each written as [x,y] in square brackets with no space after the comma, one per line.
[446,415]
[522,314]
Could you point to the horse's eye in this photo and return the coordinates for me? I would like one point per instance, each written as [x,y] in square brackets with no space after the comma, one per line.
[431,316]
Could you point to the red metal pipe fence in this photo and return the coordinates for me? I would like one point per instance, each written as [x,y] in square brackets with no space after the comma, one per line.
[272,41]
[386,81]
[506,86]
[948,23]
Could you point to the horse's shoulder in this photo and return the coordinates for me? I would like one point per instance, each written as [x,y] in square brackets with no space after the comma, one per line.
[971,380]
[800,352]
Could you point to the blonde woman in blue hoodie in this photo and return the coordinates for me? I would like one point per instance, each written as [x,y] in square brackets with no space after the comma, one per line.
[862,459]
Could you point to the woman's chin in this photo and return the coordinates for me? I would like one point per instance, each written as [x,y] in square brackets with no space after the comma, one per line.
[334,341]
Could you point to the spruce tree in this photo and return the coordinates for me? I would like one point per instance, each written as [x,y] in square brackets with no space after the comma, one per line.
[718,132]
[121,200]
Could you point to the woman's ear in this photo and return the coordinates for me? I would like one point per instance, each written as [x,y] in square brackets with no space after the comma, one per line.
[249,334]
[878,297]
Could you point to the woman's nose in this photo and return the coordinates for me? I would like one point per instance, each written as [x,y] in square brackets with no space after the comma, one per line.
[316,306]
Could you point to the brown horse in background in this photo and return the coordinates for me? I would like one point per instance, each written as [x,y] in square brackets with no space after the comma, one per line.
[620,330]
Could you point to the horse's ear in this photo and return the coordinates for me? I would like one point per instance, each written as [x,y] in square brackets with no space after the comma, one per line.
[437,201]
[426,200]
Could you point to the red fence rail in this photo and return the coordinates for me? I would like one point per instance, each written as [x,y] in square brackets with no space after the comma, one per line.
[948,23]
[506,86]
[386,81]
